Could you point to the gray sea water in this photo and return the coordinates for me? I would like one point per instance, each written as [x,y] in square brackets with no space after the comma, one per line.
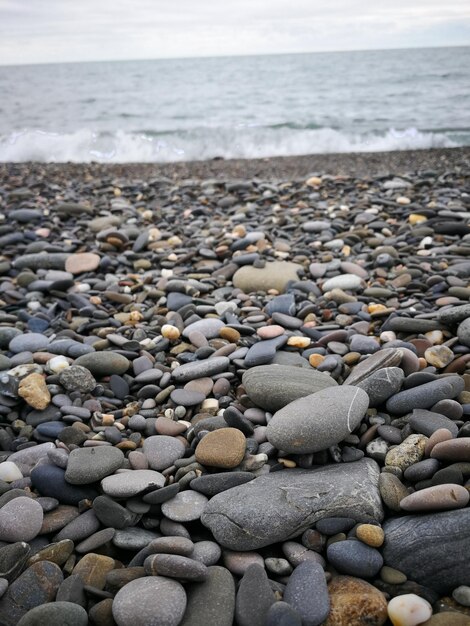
[257,106]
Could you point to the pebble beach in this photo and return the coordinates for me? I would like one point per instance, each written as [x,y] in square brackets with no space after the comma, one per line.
[236,392]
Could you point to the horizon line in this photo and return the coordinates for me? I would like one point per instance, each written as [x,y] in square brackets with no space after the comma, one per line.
[232,56]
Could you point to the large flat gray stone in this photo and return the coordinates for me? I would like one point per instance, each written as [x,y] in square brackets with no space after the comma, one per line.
[430,549]
[281,505]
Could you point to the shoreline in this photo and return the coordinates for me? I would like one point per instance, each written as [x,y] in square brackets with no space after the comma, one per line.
[361,164]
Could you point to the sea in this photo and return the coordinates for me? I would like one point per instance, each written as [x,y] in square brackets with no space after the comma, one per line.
[235,107]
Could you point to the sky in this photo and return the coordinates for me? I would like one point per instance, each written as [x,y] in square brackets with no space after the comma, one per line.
[48,31]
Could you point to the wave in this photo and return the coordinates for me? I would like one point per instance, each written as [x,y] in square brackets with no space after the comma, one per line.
[200,144]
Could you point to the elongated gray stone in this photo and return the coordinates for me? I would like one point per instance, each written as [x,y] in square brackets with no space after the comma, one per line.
[382,384]
[281,505]
[425,396]
[430,549]
[388,357]
[273,386]
[318,421]
[200,369]
[42,260]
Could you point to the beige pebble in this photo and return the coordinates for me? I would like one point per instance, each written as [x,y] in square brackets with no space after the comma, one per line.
[370,534]
[34,391]
[298,342]
[170,332]
[408,610]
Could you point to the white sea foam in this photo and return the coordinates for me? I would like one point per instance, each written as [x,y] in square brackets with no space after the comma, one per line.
[200,144]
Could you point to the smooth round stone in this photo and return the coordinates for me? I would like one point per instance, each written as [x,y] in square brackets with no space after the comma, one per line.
[427,422]
[50,481]
[354,558]
[82,262]
[370,534]
[211,601]
[175,566]
[355,601]
[274,275]
[111,513]
[186,506]
[93,569]
[103,363]
[207,552]
[425,396]
[88,465]
[254,597]
[28,342]
[133,538]
[20,519]
[172,545]
[162,451]
[387,357]
[437,498]
[209,327]
[344,281]
[239,562]
[9,472]
[150,601]
[79,528]
[186,397]
[77,378]
[130,483]
[166,426]
[452,450]
[463,332]
[224,448]
[274,386]
[382,384]
[318,421]
[422,470]
[462,595]
[408,610]
[306,592]
[55,614]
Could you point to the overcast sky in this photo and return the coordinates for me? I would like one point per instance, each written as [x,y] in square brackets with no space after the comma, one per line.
[43,31]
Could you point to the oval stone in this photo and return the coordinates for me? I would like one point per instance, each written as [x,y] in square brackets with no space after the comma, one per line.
[274,386]
[437,498]
[318,421]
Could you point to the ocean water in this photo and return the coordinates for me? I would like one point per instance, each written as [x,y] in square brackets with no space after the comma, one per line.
[257,106]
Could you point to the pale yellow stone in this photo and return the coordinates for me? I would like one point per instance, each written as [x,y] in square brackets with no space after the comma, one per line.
[298,342]
[416,218]
[314,181]
[170,332]
[34,391]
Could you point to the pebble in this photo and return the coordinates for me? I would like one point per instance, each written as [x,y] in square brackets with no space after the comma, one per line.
[130,483]
[224,448]
[153,599]
[89,465]
[82,262]
[211,601]
[355,601]
[408,610]
[34,390]
[272,387]
[186,506]
[318,421]
[20,519]
[425,396]
[55,614]
[254,597]
[274,275]
[355,558]
[103,363]
[437,498]
[306,592]
[162,451]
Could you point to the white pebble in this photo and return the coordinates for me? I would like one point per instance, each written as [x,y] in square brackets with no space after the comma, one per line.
[57,364]
[9,472]
[408,610]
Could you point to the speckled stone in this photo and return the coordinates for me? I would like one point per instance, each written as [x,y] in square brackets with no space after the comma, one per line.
[355,602]
[20,520]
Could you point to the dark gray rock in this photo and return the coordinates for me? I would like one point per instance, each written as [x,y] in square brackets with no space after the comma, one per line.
[454,314]
[88,465]
[103,363]
[318,421]
[382,384]
[212,484]
[211,601]
[425,396]
[281,505]
[77,378]
[426,422]
[273,386]
[355,558]
[55,614]
[263,351]
[307,593]
[412,325]
[431,549]
[254,597]
[282,614]
[50,481]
